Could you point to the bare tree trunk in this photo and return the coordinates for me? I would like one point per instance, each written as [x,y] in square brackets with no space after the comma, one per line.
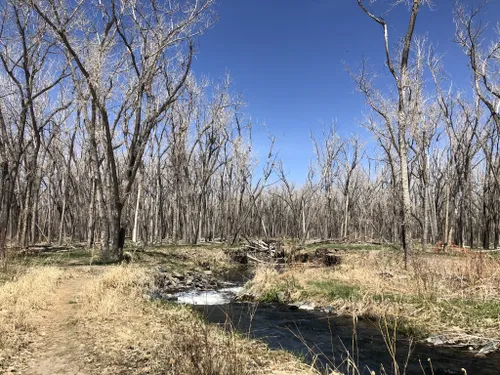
[405,192]
[91,214]
[6,190]
[49,216]
[63,212]
[34,213]
[346,215]
[23,242]
[433,219]
[136,215]
[446,215]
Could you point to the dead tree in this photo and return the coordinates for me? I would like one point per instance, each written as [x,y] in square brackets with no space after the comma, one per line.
[403,84]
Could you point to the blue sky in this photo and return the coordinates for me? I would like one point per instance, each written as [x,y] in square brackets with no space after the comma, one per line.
[286,58]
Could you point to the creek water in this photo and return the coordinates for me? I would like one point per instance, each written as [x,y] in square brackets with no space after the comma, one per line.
[316,335]
[325,339]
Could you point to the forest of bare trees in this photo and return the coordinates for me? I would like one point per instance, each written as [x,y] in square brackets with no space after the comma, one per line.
[105,129]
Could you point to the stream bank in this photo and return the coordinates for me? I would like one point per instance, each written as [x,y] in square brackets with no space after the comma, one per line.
[316,336]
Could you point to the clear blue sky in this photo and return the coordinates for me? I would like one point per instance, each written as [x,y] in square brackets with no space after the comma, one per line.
[286,57]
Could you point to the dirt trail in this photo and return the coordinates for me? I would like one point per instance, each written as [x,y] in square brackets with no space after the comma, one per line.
[58,349]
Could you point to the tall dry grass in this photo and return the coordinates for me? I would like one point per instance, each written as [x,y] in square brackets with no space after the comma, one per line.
[130,335]
[437,293]
[21,303]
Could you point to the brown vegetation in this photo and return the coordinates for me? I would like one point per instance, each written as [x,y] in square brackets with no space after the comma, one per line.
[22,301]
[100,321]
[455,294]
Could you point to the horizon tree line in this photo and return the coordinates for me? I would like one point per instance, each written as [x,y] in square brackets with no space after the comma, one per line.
[105,131]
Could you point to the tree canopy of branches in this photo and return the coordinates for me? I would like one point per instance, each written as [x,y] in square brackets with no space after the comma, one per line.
[105,132]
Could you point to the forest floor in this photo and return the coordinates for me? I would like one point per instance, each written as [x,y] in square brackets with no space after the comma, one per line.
[452,297]
[64,313]
[59,314]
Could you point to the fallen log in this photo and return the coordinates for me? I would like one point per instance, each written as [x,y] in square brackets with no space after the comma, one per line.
[256,259]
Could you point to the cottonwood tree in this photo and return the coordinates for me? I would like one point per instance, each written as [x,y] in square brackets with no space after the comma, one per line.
[298,200]
[131,61]
[31,73]
[327,152]
[350,156]
[424,135]
[489,140]
[484,61]
[399,122]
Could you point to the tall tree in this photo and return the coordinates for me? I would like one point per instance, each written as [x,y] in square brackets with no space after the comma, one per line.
[402,80]
[133,60]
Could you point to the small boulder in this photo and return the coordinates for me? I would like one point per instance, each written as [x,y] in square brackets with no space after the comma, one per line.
[328,310]
[489,348]
[435,340]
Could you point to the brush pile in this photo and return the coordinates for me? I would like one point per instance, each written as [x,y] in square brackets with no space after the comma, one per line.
[274,252]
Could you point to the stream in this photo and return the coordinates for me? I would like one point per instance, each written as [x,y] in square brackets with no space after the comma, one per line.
[313,333]
[323,338]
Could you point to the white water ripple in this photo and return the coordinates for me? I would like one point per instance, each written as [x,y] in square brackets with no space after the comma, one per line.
[208,297]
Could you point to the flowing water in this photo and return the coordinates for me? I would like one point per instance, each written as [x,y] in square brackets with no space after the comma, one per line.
[325,339]
[313,334]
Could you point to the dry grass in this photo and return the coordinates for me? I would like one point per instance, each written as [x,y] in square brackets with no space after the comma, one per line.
[132,336]
[437,293]
[21,302]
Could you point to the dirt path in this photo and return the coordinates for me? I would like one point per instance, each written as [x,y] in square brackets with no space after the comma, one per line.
[58,350]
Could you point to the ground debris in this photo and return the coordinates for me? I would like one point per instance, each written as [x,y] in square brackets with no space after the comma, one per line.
[274,252]
[166,283]
[461,340]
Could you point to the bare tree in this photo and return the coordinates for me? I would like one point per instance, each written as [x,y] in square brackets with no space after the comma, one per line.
[27,60]
[142,44]
[484,61]
[401,77]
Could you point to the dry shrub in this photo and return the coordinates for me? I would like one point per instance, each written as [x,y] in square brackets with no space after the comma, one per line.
[424,277]
[129,335]
[265,279]
[21,302]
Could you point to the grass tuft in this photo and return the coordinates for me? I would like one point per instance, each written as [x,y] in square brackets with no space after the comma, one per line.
[334,290]
[22,300]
